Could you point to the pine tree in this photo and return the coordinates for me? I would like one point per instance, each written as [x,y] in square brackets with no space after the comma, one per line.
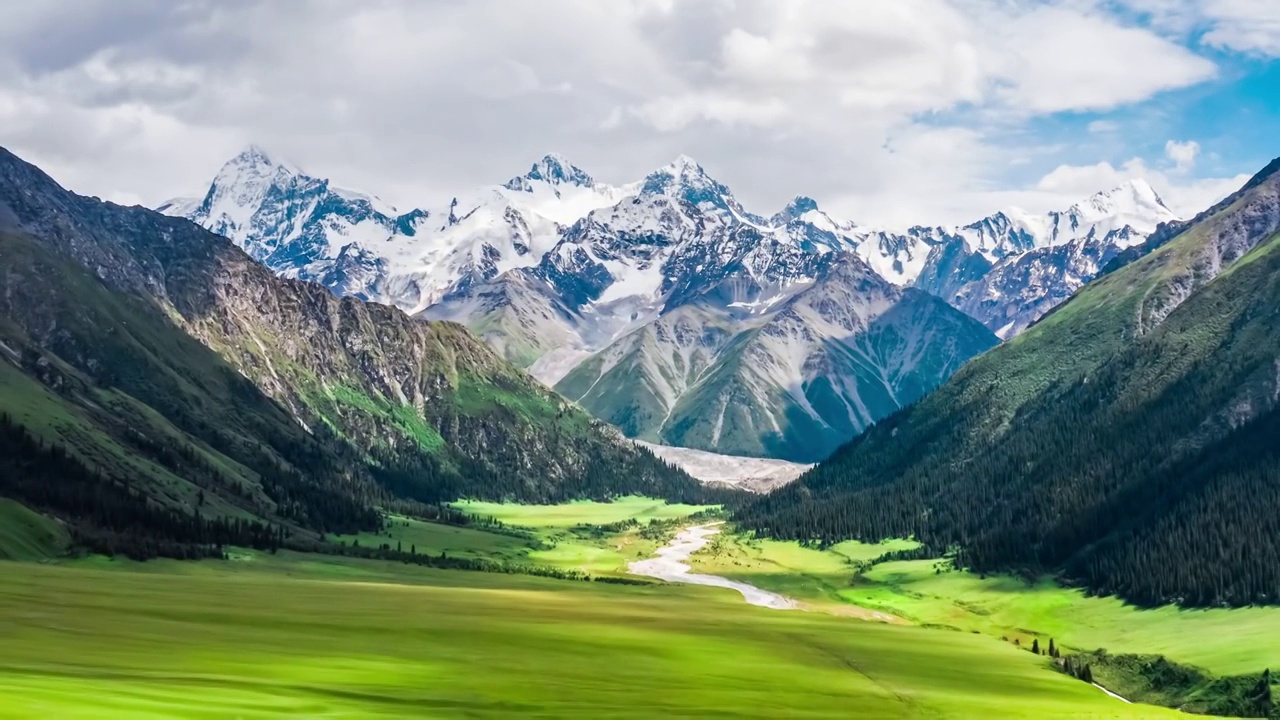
[1035,646]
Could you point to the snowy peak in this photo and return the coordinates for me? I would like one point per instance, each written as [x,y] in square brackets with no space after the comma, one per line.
[255,163]
[795,210]
[553,169]
[684,179]
[1134,200]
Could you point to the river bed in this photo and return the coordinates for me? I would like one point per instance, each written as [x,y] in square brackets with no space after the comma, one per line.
[670,564]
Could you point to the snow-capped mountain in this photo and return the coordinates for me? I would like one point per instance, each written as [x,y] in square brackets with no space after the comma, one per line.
[1010,268]
[667,307]
[356,244]
[683,318]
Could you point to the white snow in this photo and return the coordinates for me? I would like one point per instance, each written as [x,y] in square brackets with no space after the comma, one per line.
[900,257]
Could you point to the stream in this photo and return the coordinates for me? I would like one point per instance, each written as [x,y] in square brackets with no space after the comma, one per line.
[670,564]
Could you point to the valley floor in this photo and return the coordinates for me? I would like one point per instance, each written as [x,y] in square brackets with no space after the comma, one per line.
[265,635]
[932,593]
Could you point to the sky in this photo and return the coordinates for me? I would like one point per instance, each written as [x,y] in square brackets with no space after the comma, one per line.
[888,113]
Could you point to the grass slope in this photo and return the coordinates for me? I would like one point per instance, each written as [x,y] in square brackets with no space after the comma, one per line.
[28,535]
[89,642]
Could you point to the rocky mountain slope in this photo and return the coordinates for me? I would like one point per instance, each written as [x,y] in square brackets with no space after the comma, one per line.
[161,355]
[1127,440]
[791,373]
[583,282]
[1009,269]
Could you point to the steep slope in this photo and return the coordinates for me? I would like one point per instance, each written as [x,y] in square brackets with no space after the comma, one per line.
[152,349]
[788,374]
[1128,439]
[27,535]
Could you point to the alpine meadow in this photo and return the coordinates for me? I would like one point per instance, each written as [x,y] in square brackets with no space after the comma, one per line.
[944,383]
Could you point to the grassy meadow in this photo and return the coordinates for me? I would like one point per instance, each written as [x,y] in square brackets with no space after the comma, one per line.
[262,635]
[246,639]
[930,593]
[583,512]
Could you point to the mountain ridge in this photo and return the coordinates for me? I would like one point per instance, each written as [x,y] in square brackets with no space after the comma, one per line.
[550,294]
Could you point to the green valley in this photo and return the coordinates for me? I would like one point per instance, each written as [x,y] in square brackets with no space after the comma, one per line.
[320,635]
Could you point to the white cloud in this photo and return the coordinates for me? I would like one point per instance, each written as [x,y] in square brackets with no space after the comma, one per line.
[1056,58]
[1183,154]
[911,110]
[1251,26]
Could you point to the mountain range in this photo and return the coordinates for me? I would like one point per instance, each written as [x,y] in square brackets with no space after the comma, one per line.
[667,308]
[181,383]
[1127,441]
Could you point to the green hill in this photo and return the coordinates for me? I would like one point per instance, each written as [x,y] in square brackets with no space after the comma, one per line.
[1128,441]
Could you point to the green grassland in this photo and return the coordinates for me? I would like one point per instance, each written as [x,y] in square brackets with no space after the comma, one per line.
[580,513]
[931,593]
[28,535]
[245,639]
[568,536]
[289,633]
[431,538]
[1222,641]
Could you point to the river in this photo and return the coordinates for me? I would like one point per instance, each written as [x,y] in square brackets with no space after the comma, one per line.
[670,564]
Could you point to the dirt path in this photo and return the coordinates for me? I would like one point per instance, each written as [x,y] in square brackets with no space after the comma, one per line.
[669,565]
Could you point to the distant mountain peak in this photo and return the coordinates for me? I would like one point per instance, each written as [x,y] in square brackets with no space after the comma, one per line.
[684,178]
[800,205]
[1132,198]
[794,210]
[554,169]
[254,155]
[683,163]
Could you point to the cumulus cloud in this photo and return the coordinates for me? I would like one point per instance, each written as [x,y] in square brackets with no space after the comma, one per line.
[893,111]
[1183,154]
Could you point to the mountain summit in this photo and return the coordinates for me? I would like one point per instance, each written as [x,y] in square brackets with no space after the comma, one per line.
[553,169]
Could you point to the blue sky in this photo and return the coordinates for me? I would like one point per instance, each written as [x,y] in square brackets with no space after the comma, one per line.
[1234,117]
[888,113]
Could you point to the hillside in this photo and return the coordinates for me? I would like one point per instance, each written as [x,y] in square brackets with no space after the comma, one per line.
[154,358]
[1127,440]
